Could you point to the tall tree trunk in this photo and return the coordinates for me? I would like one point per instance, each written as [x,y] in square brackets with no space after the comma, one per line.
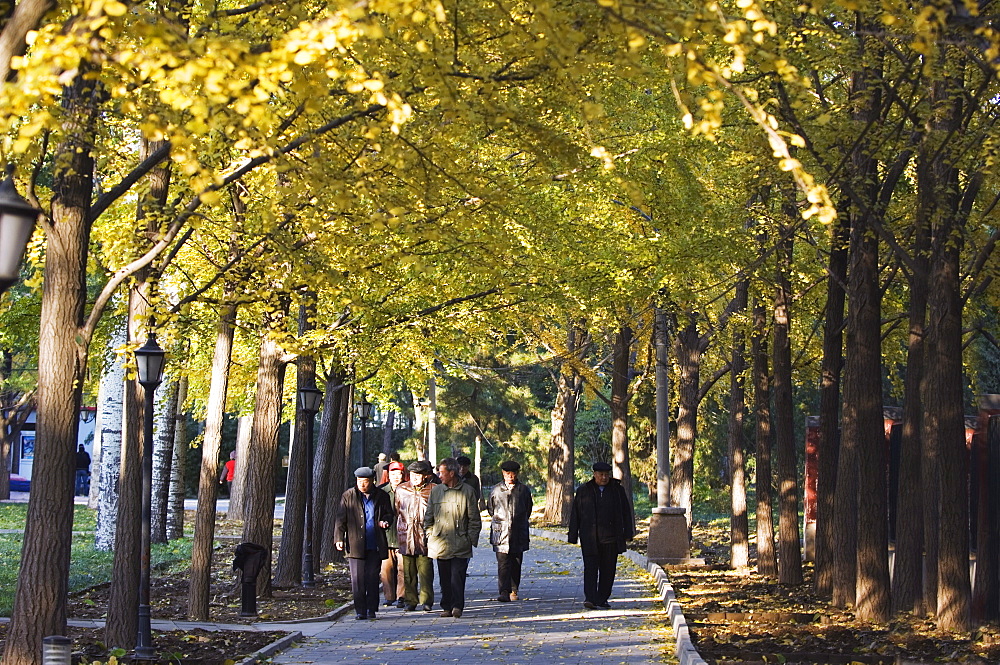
[123,597]
[262,461]
[175,515]
[739,554]
[767,560]
[208,480]
[40,597]
[344,424]
[619,408]
[829,406]
[562,442]
[390,422]
[789,552]
[332,394]
[110,416]
[845,500]
[163,458]
[237,502]
[687,350]
[288,570]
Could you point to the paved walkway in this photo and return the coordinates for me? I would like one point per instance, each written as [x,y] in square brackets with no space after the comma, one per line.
[548,625]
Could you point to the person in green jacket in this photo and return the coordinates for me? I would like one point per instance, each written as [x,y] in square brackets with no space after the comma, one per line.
[453,524]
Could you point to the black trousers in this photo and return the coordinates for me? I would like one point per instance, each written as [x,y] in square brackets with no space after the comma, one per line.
[365,582]
[509,571]
[599,573]
[452,574]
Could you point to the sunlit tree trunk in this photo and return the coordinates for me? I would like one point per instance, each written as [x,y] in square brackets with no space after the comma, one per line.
[244,430]
[163,458]
[329,418]
[767,558]
[343,426]
[688,348]
[175,514]
[621,364]
[738,520]
[110,416]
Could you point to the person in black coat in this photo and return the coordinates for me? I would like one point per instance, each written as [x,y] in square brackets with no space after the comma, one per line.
[510,508]
[602,521]
[365,513]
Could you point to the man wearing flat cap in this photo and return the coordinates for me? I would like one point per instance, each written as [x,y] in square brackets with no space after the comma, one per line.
[418,569]
[364,515]
[510,508]
[602,521]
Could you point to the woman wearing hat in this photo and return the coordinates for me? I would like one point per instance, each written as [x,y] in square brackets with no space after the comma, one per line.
[602,520]
[510,508]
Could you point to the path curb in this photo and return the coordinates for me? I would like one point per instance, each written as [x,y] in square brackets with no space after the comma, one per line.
[271,649]
[685,650]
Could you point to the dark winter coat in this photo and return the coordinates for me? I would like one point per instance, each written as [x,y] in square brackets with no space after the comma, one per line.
[510,509]
[583,517]
[350,526]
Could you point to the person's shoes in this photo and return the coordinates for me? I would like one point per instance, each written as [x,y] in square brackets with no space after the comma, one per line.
[361,616]
[447,613]
[604,606]
[400,603]
[589,605]
[409,608]
[371,615]
[504,598]
[427,608]
[457,612]
[513,595]
[389,603]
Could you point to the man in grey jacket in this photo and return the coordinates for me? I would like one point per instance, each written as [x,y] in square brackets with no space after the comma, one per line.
[510,508]
[453,524]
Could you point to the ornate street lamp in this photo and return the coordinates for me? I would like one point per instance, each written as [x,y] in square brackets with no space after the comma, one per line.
[310,399]
[150,360]
[17,220]
[364,408]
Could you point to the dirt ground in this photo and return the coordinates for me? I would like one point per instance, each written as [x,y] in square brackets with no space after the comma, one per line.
[738,617]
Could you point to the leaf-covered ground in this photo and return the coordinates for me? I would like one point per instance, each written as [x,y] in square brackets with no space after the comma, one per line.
[745,618]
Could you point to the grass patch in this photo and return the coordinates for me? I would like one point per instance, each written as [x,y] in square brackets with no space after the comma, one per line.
[14,516]
[87,565]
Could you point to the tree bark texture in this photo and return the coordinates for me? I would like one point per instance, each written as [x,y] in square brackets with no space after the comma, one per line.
[163,458]
[111,415]
[244,430]
[208,480]
[262,460]
[619,408]
[288,569]
[559,485]
[344,425]
[324,461]
[738,520]
[767,559]
[828,446]
[688,348]
[40,598]
[175,513]
[789,552]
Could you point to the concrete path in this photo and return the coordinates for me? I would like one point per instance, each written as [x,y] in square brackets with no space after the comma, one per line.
[548,625]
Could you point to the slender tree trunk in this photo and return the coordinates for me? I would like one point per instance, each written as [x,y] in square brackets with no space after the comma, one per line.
[845,511]
[288,570]
[619,408]
[329,419]
[560,483]
[344,426]
[40,597]
[163,457]
[262,461]
[390,422]
[175,515]
[789,553]
[739,556]
[111,415]
[767,560]
[208,480]
[687,350]
[237,503]
[829,407]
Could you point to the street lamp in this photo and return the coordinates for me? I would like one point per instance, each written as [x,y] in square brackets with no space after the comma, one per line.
[364,412]
[17,221]
[310,399]
[149,360]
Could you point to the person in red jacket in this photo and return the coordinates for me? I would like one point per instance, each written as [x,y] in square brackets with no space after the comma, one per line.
[229,473]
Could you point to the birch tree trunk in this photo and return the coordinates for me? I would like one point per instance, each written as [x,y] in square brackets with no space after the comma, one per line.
[175,514]
[244,430]
[110,416]
[163,457]
[619,408]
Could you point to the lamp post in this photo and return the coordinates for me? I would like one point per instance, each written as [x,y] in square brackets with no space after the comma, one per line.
[17,220]
[310,398]
[364,413]
[149,360]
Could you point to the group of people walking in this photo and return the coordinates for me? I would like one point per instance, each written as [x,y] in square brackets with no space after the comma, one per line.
[392,532]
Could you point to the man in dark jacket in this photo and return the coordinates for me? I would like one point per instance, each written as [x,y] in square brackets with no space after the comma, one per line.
[510,508]
[364,515]
[602,521]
